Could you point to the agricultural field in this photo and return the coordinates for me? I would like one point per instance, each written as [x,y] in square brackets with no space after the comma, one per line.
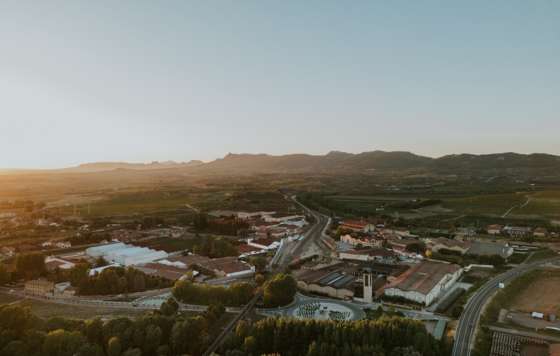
[542,294]
[545,203]
[488,204]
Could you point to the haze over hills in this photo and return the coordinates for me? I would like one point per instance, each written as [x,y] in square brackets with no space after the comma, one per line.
[336,162]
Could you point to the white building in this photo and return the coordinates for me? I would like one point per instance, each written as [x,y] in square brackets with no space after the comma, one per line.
[126,255]
[424,282]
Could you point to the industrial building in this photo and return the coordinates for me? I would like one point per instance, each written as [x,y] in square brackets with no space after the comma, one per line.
[424,282]
[125,255]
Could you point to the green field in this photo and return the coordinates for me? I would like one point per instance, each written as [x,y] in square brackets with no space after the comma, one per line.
[488,204]
[544,205]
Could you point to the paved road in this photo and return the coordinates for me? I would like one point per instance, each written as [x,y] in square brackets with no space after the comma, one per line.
[466,329]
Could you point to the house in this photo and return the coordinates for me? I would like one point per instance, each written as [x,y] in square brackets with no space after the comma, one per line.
[357,226]
[442,244]
[494,229]
[39,287]
[540,232]
[368,241]
[482,248]
[372,254]
[424,282]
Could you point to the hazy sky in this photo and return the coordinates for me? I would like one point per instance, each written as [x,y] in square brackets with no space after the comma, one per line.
[150,80]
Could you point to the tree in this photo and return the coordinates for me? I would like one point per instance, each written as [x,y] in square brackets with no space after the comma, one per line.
[30,265]
[4,275]
[114,346]
[169,307]
[416,247]
[259,279]
[259,263]
[280,290]
[152,339]
[62,343]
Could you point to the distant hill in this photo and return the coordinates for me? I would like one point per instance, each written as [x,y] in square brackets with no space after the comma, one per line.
[342,162]
[110,166]
[337,162]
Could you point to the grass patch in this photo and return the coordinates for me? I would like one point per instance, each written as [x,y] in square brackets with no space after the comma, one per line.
[541,255]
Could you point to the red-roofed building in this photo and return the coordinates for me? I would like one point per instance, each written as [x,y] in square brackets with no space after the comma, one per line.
[358,226]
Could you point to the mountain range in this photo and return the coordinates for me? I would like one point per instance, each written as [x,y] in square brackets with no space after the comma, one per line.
[336,162]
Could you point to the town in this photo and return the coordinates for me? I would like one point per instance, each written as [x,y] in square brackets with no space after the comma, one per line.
[342,269]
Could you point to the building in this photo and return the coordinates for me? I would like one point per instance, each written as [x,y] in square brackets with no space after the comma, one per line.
[424,282]
[494,229]
[64,290]
[372,254]
[264,244]
[230,267]
[540,232]
[125,255]
[481,248]
[161,270]
[367,241]
[53,263]
[357,226]
[465,232]
[517,231]
[330,281]
[97,270]
[442,243]
[39,287]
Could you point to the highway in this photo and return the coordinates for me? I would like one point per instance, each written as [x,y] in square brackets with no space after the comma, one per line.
[468,322]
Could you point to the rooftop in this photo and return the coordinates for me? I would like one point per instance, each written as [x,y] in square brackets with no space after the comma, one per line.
[423,277]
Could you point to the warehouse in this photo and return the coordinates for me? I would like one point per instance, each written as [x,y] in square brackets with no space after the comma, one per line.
[125,255]
[424,282]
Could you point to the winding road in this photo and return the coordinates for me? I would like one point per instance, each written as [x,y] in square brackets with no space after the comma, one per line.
[468,322]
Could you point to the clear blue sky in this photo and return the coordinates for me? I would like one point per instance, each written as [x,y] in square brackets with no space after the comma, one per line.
[85,81]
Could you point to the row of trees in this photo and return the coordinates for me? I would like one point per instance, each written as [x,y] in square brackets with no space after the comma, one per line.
[156,333]
[236,294]
[114,280]
[391,336]
[30,265]
[230,225]
[214,247]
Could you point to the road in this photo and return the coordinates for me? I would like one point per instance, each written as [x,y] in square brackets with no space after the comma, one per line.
[313,235]
[466,329]
[517,206]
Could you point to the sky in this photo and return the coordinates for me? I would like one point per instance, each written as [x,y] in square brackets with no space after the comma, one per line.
[85,81]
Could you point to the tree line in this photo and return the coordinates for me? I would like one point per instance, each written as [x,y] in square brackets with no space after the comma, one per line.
[237,294]
[386,336]
[113,280]
[154,333]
